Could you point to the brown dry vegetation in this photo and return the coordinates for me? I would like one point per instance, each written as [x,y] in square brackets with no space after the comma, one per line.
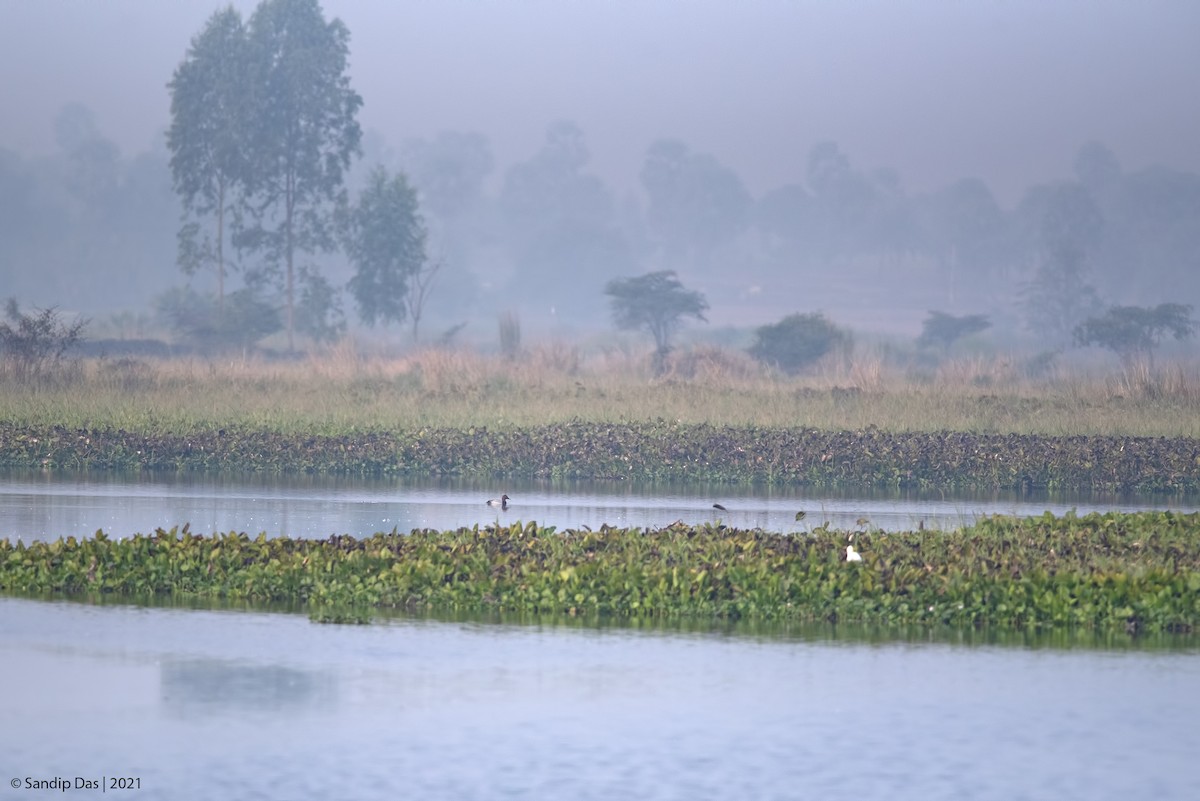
[344,389]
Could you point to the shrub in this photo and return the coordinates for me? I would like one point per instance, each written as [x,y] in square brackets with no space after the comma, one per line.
[942,330]
[211,326]
[33,345]
[797,341]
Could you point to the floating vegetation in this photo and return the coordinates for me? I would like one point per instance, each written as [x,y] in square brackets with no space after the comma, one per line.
[642,451]
[1124,572]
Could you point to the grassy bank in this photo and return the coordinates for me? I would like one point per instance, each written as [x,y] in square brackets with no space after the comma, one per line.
[343,392]
[639,451]
[1138,572]
[716,416]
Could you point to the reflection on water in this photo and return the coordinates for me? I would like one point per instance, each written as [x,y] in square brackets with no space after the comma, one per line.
[785,630]
[36,505]
[248,704]
[217,687]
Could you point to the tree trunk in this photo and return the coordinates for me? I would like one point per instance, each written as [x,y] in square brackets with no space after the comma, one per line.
[659,361]
[289,249]
[221,245]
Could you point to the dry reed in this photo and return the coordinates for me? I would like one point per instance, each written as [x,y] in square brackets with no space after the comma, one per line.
[341,387]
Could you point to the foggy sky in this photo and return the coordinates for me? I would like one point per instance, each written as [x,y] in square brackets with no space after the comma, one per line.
[1005,91]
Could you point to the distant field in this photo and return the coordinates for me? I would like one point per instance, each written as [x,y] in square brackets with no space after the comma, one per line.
[342,392]
[715,417]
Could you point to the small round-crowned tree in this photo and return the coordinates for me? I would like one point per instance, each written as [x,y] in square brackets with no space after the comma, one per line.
[654,302]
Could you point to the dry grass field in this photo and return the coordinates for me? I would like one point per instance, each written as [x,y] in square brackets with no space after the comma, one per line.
[343,390]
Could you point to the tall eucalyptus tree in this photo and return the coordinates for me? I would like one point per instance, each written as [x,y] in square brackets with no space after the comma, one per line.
[384,237]
[207,138]
[302,135]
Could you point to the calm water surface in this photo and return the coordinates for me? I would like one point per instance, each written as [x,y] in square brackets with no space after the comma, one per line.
[247,704]
[35,505]
[251,704]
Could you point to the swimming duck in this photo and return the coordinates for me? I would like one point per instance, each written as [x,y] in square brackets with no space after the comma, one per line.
[502,502]
[719,507]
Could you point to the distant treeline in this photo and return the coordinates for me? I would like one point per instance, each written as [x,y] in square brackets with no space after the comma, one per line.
[89,228]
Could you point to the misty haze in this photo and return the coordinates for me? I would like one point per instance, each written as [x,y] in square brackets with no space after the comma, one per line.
[600,399]
[1027,163]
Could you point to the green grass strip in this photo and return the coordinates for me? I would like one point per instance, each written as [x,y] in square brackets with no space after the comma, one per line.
[1137,572]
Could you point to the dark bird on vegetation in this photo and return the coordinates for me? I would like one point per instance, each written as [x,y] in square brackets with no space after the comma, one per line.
[719,506]
[502,502]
